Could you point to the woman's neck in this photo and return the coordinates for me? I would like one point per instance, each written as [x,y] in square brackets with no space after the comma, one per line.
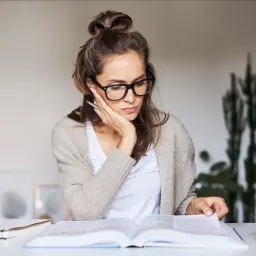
[107,131]
[107,138]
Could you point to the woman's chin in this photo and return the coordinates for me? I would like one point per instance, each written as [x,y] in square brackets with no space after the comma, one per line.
[130,117]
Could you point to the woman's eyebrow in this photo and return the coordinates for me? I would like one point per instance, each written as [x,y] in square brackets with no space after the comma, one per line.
[123,81]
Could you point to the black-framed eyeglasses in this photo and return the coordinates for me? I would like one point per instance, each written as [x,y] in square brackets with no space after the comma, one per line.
[117,92]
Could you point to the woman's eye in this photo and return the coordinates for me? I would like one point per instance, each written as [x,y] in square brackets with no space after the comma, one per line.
[140,83]
[115,87]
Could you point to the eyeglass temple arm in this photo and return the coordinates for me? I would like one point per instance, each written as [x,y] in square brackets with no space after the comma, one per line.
[98,84]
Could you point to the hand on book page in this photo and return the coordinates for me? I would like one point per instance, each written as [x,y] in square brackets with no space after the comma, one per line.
[183,231]
[153,230]
[199,224]
[196,224]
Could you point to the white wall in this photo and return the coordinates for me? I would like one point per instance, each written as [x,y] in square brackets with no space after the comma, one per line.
[195,45]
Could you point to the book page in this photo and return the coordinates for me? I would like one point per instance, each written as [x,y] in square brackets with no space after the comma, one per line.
[69,228]
[198,224]
[184,231]
[155,221]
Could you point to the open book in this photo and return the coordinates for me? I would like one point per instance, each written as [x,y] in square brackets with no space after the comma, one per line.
[154,230]
[17,227]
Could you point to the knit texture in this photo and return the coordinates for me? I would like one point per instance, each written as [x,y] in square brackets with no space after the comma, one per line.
[89,195]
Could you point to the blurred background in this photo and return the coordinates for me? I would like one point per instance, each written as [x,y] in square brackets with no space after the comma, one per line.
[198,49]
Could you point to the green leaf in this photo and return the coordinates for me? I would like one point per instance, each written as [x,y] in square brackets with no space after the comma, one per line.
[233,186]
[205,178]
[209,191]
[218,166]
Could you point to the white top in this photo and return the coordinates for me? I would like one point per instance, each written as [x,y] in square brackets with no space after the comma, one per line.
[139,195]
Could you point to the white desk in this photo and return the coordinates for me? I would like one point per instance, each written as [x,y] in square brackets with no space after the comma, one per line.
[13,247]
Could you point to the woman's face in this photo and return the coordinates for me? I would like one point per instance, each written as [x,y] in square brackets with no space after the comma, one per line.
[123,69]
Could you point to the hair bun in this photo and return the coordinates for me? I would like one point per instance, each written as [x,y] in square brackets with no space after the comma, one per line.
[116,21]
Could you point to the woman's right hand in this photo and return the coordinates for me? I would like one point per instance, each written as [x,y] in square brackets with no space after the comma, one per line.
[118,123]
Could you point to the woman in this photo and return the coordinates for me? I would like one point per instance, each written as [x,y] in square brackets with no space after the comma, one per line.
[124,158]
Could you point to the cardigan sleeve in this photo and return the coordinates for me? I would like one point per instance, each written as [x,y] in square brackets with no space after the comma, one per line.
[86,195]
[185,169]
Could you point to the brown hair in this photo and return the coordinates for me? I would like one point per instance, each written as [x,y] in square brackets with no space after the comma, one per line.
[112,35]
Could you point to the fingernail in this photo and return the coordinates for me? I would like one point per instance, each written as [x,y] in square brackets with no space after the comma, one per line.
[208,213]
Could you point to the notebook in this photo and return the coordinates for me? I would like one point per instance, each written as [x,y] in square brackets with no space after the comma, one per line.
[153,230]
[17,227]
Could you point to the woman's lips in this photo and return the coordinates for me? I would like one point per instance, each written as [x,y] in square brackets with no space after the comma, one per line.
[130,110]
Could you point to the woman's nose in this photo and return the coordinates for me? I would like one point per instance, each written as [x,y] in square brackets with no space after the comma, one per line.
[130,96]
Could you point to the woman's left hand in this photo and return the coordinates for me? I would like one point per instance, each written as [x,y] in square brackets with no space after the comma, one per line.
[208,206]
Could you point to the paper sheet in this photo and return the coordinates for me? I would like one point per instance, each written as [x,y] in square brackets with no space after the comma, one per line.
[199,224]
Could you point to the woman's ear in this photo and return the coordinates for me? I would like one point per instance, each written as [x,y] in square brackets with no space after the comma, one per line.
[90,84]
